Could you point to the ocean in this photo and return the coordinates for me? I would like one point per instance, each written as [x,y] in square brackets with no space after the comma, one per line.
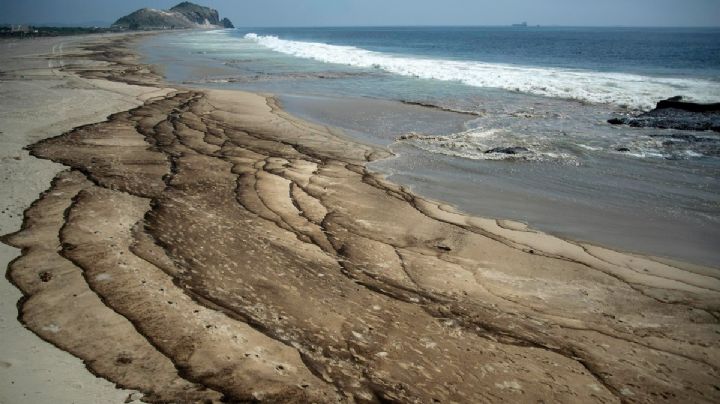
[444,98]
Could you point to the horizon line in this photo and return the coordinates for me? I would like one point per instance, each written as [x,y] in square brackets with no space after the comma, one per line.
[477,26]
[512,25]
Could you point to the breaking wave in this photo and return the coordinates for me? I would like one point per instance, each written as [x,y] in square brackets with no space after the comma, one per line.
[631,91]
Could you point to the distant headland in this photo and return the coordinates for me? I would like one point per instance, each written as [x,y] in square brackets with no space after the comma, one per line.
[182,16]
[185,15]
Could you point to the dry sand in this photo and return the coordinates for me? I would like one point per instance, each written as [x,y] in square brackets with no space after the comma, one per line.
[206,245]
[39,100]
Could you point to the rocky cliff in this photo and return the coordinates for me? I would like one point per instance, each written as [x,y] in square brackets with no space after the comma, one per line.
[183,15]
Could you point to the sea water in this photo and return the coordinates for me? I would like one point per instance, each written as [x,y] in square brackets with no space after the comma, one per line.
[443,98]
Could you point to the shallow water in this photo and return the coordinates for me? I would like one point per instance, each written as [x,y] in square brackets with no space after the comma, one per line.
[661,196]
[668,209]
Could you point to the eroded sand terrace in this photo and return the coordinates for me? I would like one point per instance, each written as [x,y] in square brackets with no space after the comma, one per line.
[208,245]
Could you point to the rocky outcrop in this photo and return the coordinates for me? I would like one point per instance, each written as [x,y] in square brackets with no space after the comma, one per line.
[226,23]
[197,14]
[184,15]
[678,103]
[674,113]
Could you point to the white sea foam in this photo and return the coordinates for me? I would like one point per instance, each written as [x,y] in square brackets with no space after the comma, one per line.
[591,148]
[643,154]
[477,144]
[622,89]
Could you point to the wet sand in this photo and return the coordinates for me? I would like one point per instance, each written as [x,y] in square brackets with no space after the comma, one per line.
[208,246]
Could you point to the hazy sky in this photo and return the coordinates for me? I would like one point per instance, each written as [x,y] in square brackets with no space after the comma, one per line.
[389,12]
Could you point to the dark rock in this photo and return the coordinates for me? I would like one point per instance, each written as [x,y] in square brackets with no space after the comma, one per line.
[622,149]
[677,103]
[226,23]
[508,150]
[409,136]
[675,114]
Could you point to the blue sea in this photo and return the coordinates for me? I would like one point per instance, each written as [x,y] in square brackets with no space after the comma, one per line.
[441,98]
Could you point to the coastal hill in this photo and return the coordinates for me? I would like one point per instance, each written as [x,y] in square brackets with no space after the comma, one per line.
[184,15]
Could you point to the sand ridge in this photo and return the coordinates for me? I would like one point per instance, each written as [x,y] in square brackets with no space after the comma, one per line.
[256,254]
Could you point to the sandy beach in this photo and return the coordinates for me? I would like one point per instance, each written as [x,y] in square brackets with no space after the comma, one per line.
[198,245]
[41,100]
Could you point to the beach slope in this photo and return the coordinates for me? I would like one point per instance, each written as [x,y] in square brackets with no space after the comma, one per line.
[207,245]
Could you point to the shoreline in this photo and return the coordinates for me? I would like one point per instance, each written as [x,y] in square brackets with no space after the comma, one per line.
[581,187]
[435,179]
[193,182]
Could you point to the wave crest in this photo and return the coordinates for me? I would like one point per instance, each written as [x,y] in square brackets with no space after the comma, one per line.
[621,89]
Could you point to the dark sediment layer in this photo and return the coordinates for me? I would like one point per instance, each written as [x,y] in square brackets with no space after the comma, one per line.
[207,245]
[62,308]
